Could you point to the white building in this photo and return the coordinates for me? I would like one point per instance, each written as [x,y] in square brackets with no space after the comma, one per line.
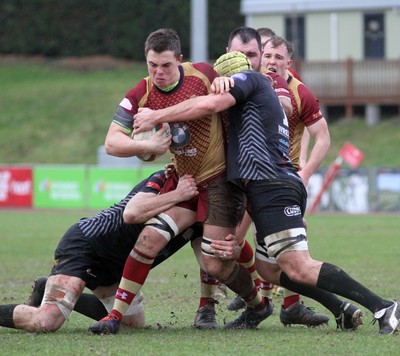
[331,30]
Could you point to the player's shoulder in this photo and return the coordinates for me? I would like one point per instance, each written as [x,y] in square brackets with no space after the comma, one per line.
[199,69]
[139,89]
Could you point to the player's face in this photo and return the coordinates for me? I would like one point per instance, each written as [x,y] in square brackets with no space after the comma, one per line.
[163,68]
[276,59]
[250,50]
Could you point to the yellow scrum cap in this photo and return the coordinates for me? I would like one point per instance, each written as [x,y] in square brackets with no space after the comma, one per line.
[231,63]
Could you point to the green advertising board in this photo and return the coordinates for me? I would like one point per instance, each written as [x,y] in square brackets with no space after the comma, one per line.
[109,185]
[59,187]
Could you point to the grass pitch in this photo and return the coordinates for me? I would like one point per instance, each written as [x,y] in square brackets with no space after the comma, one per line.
[367,247]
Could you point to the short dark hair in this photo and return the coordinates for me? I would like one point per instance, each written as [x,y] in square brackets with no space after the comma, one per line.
[246,34]
[266,31]
[164,39]
[277,41]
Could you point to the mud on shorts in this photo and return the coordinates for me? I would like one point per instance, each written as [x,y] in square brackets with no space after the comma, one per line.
[219,202]
[277,208]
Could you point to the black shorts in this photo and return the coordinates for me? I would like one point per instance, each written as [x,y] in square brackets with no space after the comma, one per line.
[276,206]
[100,262]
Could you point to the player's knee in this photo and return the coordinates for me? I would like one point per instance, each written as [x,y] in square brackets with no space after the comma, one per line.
[47,319]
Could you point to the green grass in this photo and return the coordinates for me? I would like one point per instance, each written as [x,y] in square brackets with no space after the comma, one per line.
[52,114]
[368,247]
[55,115]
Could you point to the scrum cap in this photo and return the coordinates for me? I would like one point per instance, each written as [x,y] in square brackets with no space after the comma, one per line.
[231,63]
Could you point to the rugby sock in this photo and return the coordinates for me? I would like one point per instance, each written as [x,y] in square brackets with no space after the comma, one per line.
[290,298]
[266,288]
[208,286]
[241,283]
[335,280]
[6,315]
[329,300]
[89,305]
[136,270]
[246,259]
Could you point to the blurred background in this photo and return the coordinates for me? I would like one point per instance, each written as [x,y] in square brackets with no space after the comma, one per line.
[65,66]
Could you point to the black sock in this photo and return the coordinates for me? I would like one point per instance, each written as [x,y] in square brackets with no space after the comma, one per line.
[6,315]
[335,280]
[90,306]
[329,300]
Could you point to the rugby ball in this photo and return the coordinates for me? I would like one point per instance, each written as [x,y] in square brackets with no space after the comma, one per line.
[149,157]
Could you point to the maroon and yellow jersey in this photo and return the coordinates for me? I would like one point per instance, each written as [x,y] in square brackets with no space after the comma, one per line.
[198,146]
[306,112]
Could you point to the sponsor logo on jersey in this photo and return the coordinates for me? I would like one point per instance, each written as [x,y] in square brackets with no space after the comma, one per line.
[180,135]
[283,131]
[239,76]
[293,210]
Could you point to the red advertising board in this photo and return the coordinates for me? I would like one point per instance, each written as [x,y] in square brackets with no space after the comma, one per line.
[15,186]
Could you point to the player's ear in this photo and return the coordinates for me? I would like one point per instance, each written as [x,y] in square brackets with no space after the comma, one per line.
[180,58]
[227,49]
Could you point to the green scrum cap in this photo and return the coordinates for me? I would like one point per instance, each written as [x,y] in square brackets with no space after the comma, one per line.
[231,63]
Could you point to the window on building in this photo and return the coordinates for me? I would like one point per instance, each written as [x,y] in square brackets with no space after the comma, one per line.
[374,36]
[294,29]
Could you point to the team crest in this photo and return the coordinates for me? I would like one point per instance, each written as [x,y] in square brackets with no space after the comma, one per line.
[180,135]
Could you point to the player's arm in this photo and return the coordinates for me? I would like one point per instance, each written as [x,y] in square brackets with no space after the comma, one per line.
[320,134]
[191,109]
[144,206]
[119,142]
[304,144]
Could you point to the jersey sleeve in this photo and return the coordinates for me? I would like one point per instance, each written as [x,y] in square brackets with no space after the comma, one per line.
[129,105]
[310,110]
[154,183]
[245,84]
[281,86]
[207,70]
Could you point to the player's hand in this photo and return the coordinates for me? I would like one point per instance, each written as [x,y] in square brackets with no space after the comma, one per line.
[187,187]
[159,143]
[222,84]
[227,249]
[144,120]
[169,168]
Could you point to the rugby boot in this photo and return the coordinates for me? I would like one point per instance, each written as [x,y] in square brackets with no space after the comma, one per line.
[236,303]
[205,317]
[105,326]
[250,318]
[349,318]
[298,313]
[39,285]
[388,319]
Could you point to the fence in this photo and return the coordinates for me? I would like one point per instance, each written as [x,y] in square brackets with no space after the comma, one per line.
[350,83]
